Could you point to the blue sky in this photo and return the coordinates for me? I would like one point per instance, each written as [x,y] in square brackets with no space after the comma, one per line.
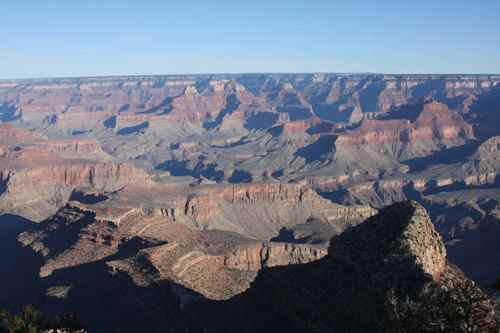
[43,38]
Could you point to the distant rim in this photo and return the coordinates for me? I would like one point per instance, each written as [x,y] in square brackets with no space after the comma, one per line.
[223,75]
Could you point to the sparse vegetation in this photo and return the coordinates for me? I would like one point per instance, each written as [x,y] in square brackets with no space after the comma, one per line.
[463,308]
[30,320]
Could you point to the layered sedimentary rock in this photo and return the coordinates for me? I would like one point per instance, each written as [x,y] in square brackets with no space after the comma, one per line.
[385,275]
[38,176]
[81,149]
[258,256]
[13,135]
[200,182]
[215,264]
[37,192]
[401,232]
[217,126]
[257,210]
[434,127]
[86,102]
[469,220]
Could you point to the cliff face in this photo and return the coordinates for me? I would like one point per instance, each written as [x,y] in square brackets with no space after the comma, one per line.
[219,127]
[389,274]
[88,149]
[380,275]
[37,181]
[434,127]
[258,256]
[228,271]
[87,102]
[256,210]
[400,235]
[167,224]
[216,264]
[101,176]
[201,183]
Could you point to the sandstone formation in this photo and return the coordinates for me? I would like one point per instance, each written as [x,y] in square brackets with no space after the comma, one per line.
[385,273]
[389,274]
[181,197]
[435,126]
[37,191]
[217,264]
[222,127]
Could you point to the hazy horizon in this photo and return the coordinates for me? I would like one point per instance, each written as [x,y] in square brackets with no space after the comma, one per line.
[238,73]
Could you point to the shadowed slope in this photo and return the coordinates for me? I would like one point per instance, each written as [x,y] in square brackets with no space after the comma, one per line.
[388,274]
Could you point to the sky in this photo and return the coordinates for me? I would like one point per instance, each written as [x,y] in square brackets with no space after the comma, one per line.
[44,38]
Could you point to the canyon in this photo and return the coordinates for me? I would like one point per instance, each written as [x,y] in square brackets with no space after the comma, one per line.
[182,197]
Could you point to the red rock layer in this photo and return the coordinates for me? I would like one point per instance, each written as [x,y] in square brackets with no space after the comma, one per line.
[435,123]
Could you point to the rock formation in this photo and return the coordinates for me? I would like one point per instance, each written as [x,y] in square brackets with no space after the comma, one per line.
[200,188]
[217,264]
[389,274]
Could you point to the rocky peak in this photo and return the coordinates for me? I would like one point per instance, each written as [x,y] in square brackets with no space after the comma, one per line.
[436,112]
[401,239]
[388,274]
[191,91]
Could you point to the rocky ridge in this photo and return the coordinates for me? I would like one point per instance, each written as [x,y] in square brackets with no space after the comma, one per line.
[217,264]
[394,265]
[204,182]
[389,274]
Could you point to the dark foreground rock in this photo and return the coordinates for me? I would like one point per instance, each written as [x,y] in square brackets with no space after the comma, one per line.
[389,274]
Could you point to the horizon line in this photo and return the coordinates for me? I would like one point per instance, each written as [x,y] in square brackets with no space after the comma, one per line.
[109,76]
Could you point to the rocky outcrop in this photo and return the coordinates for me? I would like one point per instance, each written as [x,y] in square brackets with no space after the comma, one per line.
[85,102]
[400,235]
[258,256]
[268,126]
[237,207]
[389,274]
[384,273]
[215,264]
[39,191]
[101,176]
[88,149]
[239,169]
[222,275]
[435,125]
